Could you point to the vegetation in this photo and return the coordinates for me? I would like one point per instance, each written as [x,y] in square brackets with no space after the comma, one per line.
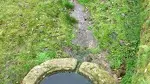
[142,72]
[117,25]
[32,31]
[83,1]
[67,4]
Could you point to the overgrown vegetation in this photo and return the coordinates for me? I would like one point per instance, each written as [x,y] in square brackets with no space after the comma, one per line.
[32,31]
[142,73]
[68,4]
[117,25]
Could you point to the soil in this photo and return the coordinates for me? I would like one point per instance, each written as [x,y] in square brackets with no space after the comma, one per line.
[85,39]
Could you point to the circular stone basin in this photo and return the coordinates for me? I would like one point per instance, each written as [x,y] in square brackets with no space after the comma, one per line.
[91,71]
[65,78]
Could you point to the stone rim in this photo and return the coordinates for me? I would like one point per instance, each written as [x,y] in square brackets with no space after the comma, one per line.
[91,71]
[48,67]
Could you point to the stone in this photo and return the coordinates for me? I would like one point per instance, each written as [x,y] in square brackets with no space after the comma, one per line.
[49,67]
[96,74]
[90,70]
[99,59]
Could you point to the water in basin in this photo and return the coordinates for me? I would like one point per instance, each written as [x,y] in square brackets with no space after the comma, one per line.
[65,78]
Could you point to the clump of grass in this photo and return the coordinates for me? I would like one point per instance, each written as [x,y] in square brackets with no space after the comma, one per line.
[71,19]
[42,56]
[83,1]
[68,4]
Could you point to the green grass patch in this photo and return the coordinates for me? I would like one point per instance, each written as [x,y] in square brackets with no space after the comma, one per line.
[43,56]
[117,25]
[142,70]
[68,4]
[32,32]
[83,1]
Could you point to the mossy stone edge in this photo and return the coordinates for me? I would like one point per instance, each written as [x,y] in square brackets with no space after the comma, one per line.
[50,66]
[90,70]
[96,74]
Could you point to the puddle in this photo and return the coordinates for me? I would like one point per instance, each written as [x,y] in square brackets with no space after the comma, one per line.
[65,78]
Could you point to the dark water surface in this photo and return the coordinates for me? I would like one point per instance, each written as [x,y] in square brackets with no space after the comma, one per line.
[65,78]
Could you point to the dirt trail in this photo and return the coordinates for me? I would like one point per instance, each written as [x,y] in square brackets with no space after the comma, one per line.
[84,37]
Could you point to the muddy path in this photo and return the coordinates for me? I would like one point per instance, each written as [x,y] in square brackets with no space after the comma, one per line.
[85,39]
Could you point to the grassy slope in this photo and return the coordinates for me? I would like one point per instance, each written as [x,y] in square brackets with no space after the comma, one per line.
[117,25]
[31,31]
[142,73]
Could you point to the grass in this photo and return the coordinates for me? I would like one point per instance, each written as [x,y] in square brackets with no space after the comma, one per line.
[34,31]
[141,75]
[31,32]
[68,4]
[83,1]
[117,25]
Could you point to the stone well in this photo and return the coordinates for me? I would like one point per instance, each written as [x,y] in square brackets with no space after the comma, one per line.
[90,70]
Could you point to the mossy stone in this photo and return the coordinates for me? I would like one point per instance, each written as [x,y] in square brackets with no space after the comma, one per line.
[50,66]
[96,74]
